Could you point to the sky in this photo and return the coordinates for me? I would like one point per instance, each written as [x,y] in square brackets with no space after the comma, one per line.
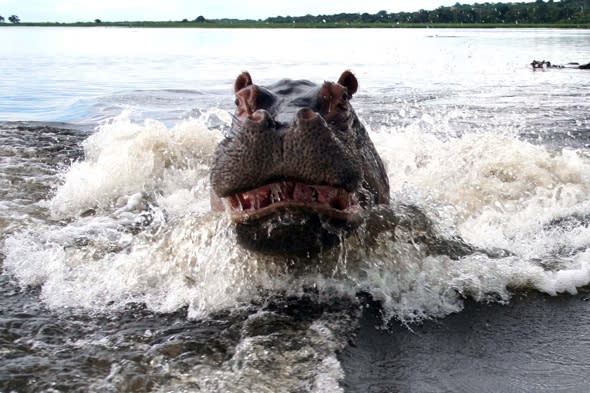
[164,10]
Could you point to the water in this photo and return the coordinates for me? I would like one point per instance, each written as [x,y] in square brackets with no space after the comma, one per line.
[117,277]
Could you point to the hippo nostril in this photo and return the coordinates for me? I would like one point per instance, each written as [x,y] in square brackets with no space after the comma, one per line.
[261,118]
[310,119]
[306,114]
[258,116]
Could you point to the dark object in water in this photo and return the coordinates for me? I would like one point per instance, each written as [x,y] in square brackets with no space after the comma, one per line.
[547,64]
[297,167]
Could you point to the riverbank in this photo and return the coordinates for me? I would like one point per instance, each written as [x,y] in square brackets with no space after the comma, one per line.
[266,25]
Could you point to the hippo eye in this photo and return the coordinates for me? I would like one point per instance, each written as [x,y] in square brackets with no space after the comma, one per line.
[237,102]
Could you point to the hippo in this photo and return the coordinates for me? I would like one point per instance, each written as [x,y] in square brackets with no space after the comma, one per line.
[535,64]
[297,168]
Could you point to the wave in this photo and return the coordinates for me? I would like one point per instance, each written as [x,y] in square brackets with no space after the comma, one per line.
[130,223]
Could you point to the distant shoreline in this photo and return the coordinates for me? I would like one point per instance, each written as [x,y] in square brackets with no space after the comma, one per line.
[265,25]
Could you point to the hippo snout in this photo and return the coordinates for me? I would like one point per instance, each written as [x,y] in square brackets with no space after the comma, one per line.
[260,152]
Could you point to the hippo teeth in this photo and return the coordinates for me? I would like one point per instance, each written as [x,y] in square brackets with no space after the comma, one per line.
[287,193]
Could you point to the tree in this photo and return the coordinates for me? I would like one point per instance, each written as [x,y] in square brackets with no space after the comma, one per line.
[532,11]
[502,11]
[382,16]
[200,19]
[420,16]
[1,19]
[540,11]
[14,19]
[444,15]
[97,21]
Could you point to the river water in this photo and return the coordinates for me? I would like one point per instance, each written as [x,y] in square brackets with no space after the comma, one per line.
[116,277]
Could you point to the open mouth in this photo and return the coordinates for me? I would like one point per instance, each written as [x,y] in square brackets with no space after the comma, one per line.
[266,200]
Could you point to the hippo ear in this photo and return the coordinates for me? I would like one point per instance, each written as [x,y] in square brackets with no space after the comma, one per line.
[348,80]
[243,80]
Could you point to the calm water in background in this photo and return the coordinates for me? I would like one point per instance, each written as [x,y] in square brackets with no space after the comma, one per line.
[81,74]
[117,278]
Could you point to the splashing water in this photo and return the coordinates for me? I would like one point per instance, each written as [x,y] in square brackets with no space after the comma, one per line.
[134,227]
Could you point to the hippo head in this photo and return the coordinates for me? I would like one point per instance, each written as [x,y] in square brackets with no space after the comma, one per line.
[297,168]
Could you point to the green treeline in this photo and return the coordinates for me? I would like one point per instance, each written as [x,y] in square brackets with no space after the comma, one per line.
[550,13]
[565,11]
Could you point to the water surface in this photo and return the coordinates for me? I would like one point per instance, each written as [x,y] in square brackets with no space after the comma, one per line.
[117,277]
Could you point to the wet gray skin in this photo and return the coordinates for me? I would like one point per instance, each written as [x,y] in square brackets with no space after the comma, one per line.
[297,169]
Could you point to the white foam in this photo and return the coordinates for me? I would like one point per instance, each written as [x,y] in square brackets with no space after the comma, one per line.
[496,191]
[499,192]
[124,158]
[575,275]
[500,189]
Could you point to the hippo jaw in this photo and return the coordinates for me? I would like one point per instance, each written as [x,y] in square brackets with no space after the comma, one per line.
[294,218]
[297,168]
[273,198]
